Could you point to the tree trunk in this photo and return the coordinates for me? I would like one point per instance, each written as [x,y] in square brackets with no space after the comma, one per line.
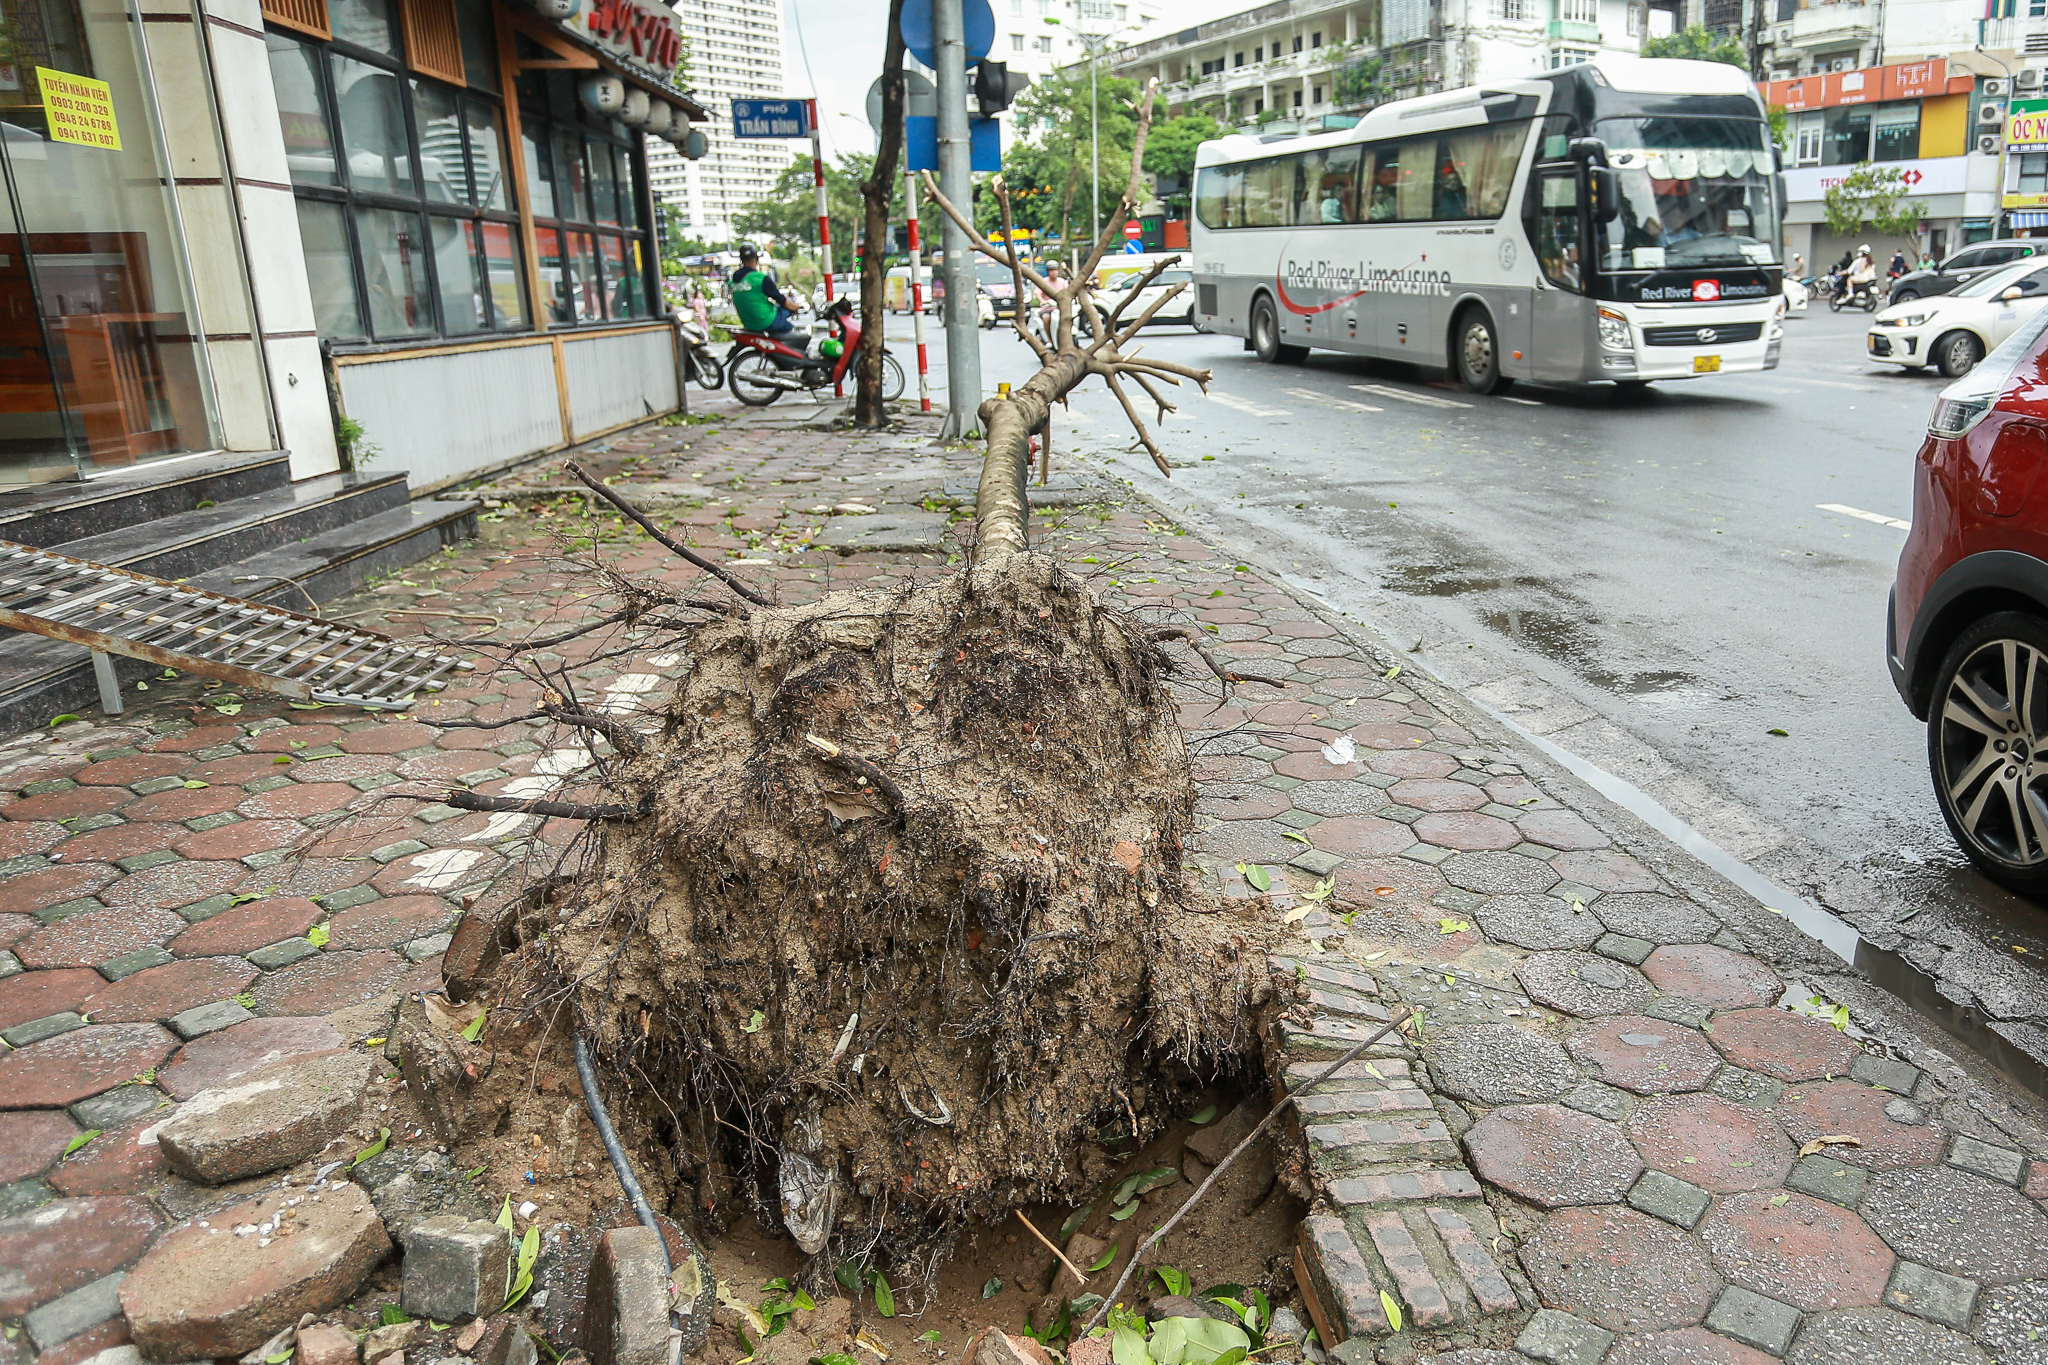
[876,191]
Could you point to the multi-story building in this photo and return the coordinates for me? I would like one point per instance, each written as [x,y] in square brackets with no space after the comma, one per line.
[1030,42]
[735,53]
[1292,64]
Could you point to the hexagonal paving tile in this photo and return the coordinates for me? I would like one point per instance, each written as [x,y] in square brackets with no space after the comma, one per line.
[1686,1346]
[1709,1142]
[1583,984]
[1960,1224]
[1817,1109]
[1500,1064]
[1498,874]
[1712,975]
[1782,1044]
[1622,1269]
[1551,1155]
[1658,918]
[1878,1336]
[1604,870]
[1560,829]
[1537,922]
[1805,1251]
[1648,1056]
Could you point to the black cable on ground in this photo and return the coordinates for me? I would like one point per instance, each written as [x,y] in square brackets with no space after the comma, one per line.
[594,1102]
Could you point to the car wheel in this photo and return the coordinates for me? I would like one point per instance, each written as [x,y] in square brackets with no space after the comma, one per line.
[1478,353]
[1266,336]
[1905,296]
[1987,748]
[1957,353]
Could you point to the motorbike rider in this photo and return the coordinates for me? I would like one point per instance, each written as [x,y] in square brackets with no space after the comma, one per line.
[761,305]
[1863,273]
[1897,266]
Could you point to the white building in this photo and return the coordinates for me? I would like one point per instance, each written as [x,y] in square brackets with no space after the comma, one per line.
[1295,62]
[735,53]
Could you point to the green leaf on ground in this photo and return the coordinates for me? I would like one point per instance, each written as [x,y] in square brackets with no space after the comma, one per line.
[848,1275]
[318,935]
[754,1022]
[391,1315]
[804,1301]
[504,1219]
[1074,1221]
[993,1287]
[1175,1279]
[1297,836]
[1321,891]
[1395,671]
[1107,1257]
[79,1141]
[374,1149]
[1393,1310]
[1257,876]
[56,721]
[934,1336]
[1206,1114]
[1782,733]
[476,1025]
[1119,1215]
[885,1298]
[1452,926]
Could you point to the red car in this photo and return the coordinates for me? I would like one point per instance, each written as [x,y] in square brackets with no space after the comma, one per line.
[1967,636]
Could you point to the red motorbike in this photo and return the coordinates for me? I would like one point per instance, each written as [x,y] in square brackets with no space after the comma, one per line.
[760,368]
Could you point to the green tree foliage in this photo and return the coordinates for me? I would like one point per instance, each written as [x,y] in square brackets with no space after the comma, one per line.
[1874,197]
[1781,127]
[1699,44]
[787,216]
[1049,168]
[1170,150]
[1360,79]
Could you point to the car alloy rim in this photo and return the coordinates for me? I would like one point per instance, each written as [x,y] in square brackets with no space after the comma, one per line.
[1992,768]
[1478,349]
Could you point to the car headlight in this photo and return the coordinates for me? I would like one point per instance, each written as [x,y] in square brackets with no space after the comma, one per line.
[1614,331]
[1912,320]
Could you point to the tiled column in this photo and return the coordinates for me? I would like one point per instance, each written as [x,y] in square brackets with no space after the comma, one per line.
[260,183]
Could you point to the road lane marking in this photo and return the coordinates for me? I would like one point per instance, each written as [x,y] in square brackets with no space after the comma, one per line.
[1327,401]
[1526,402]
[1862,515]
[1246,405]
[1425,399]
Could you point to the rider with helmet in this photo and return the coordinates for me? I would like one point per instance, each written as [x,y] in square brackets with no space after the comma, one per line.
[1863,274]
[760,304]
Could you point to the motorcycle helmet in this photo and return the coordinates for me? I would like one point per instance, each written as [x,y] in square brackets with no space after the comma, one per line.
[831,348]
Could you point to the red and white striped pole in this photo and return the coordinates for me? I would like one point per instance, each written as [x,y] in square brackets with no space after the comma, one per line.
[824,216]
[924,386]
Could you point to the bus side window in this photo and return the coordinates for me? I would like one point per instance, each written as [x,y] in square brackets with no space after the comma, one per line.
[1418,178]
[1383,206]
[1308,189]
[1557,228]
[1216,194]
[1266,186]
[1340,186]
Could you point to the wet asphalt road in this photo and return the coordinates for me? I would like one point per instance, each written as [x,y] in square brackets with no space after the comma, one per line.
[1648,581]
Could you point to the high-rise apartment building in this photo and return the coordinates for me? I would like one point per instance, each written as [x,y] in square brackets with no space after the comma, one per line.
[735,53]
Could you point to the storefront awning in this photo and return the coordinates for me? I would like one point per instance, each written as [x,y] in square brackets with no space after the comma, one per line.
[2026,220]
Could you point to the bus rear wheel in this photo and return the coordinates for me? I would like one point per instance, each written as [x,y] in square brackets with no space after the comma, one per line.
[1266,336]
[1478,353]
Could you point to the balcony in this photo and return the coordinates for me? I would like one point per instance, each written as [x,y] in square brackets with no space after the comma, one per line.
[1833,25]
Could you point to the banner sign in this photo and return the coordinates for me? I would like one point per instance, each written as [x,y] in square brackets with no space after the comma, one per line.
[2026,123]
[79,109]
[771,118]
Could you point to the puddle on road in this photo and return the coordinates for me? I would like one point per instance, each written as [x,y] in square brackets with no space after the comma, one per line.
[1564,639]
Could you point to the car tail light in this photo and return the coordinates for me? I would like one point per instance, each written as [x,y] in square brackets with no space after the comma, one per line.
[2006,474]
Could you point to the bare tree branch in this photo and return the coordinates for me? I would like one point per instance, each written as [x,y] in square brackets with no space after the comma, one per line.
[1144,436]
[1223,671]
[1038,348]
[724,576]
[519,805]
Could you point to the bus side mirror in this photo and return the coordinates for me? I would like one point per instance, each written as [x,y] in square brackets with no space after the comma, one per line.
[1605,184]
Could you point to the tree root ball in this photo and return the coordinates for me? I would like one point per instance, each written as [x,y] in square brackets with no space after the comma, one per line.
[887,1020]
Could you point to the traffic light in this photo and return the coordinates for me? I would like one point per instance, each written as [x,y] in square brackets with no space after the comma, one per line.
[995,87]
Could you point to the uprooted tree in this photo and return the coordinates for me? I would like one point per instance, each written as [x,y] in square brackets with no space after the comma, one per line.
[887,922]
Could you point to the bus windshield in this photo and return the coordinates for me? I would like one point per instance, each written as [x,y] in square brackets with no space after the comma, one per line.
[1694,192]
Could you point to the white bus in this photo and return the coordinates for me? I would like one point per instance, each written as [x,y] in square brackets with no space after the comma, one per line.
[1616,220]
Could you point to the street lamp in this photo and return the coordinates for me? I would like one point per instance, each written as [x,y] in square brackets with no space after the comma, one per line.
[1094,44]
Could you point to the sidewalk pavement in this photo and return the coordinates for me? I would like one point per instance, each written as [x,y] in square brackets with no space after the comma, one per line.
[1641,1103]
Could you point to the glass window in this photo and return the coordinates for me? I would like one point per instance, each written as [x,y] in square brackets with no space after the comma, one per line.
[1694,192]
[479,44]
[323,235]
[622,270]
[586,286]
[1895,131]
[1384,204]
[501,272]
[1217,191]
[1558,228]
[1806,149]
[1476,170]
[1414,192]
[540,171]
[604,185]
[1307,207]
[1266,186]
[486,156]
[1339,201]
[394,272]
[302,112]
[2033,173]
[571,192]
[1845,137]
[443,178]
[552,277]
[456,266]
[372,127]
[366,23]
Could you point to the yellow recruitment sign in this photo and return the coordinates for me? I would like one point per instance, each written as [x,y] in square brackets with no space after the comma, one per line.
[79,109]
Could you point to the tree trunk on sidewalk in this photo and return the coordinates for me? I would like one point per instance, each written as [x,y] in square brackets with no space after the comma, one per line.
[876,192]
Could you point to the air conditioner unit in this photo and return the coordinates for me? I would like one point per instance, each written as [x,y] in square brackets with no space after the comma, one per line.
[1784,35]
[1990,111]
[1987,143]
[1994,88]
[2027,78]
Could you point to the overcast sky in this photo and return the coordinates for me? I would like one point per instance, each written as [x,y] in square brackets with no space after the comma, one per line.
[843,41]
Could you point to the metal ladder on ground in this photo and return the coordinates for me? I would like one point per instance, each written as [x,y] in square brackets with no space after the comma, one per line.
[116,611]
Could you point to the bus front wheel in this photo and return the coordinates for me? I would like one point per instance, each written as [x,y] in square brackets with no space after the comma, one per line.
[1478,354]
[1266,336]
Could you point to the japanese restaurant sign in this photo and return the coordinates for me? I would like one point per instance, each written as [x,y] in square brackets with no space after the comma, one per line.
[79,109]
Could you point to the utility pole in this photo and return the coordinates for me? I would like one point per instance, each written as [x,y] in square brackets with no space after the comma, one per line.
[1094,151]
[963,333]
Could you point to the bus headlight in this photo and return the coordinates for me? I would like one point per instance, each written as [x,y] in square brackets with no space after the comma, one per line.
[1614,332]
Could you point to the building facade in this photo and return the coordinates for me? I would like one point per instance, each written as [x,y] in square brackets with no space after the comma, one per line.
[1291,65]
[323,226]
[735,53]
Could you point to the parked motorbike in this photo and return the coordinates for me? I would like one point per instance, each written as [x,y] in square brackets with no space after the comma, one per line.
[700,362]
[760,368]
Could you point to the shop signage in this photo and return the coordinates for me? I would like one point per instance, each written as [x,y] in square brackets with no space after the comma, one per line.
[771,118]
[2026,123]
[1904,81]
[632,30]
[1935,175]
[2024,201]
[79,109]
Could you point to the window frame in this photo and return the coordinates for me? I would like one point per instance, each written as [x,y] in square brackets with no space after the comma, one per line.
[1227,201]
[542,100]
